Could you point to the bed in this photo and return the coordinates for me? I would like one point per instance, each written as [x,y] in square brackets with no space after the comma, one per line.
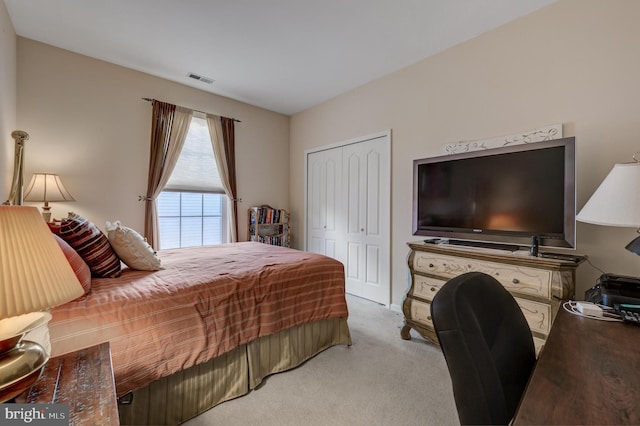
[208,327]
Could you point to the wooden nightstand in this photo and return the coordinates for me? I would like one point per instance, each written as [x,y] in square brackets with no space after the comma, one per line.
[82,379]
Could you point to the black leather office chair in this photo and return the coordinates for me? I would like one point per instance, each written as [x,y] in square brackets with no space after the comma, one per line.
[487,345]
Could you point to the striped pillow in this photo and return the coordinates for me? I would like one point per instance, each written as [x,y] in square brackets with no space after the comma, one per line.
[92,245]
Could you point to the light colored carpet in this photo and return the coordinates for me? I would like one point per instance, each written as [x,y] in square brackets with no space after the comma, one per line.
[380,380]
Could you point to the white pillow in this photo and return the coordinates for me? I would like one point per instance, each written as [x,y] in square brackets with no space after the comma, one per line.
[132,248]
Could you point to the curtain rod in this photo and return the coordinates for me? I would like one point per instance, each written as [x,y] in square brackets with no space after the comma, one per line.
[201,112]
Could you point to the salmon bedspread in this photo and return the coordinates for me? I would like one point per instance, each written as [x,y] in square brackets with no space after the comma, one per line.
[204,303]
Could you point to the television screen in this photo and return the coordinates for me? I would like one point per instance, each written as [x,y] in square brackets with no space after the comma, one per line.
[506,195]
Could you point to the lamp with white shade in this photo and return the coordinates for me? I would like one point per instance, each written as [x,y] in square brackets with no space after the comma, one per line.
[616,202]
[46,187]
[34,276]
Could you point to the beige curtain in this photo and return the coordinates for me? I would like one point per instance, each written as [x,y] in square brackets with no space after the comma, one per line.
[169,128]
[222,134]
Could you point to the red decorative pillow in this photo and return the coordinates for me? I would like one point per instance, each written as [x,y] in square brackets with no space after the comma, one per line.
[79,266]
[92,245]
[55,226]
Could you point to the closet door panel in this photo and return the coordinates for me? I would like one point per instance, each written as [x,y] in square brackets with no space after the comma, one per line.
[366,166]
[324,180]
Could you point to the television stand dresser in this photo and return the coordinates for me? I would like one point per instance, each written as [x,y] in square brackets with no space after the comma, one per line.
[538,284]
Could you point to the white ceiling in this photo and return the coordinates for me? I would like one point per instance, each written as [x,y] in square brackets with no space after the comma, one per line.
[282,55]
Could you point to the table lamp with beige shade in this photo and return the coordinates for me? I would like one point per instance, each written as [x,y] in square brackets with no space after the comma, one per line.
[46,187]
[34,276]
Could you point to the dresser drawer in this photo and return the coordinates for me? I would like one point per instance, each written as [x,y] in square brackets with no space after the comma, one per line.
[421,312]
[518,279]
[538,315]
[426,287]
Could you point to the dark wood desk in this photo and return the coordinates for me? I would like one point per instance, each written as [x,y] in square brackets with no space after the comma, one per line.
[587,373]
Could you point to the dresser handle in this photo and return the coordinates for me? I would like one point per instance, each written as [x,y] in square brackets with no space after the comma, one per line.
[515,281]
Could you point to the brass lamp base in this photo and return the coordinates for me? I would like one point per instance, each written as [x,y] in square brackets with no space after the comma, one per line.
[21,362]
[20,367]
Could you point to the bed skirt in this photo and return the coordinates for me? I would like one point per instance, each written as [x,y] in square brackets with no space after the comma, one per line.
[188,393]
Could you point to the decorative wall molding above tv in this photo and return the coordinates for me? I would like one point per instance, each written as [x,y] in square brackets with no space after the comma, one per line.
[540,134]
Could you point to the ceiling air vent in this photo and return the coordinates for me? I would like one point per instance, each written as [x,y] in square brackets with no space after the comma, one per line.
[200,78]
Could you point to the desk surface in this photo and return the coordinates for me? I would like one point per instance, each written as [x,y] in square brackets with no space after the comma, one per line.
[587,373]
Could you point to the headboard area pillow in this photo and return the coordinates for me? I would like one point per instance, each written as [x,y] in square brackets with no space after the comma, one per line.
[79,266]
[132,248]
[92,245]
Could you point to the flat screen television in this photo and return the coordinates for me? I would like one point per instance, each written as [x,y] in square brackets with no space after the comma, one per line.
[504,195]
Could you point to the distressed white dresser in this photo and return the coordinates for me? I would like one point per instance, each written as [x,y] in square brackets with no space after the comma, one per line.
[539,285]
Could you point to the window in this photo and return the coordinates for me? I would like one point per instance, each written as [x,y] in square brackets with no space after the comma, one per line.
[192,208]
[191,219]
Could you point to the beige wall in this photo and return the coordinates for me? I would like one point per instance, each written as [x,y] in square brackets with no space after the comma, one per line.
[88,123]
[7,100]
[575,62]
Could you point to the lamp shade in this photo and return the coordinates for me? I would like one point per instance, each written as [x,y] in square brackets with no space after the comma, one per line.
[46,187]
[616,202]
[34,272]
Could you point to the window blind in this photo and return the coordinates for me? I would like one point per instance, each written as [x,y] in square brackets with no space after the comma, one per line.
[196,169]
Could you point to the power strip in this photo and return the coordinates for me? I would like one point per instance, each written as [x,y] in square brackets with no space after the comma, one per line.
[589,309]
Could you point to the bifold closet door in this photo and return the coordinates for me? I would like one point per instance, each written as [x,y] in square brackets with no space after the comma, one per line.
[366,202]
[348,212]
[324,229]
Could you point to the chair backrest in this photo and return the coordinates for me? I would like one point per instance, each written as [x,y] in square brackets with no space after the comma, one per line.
[487,345]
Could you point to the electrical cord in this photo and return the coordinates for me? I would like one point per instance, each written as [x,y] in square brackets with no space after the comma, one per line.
[595,267]
[570,306]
